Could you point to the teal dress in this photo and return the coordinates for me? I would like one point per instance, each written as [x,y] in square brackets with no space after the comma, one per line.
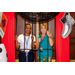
[43,54]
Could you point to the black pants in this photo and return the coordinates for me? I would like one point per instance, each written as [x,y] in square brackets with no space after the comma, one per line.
[22,56]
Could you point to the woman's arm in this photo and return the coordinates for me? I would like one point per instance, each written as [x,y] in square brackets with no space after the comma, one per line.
[17,45]
[34,45]
[38,43]
[51,42]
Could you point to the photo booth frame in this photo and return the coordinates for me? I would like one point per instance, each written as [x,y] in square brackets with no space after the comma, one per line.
[39,21]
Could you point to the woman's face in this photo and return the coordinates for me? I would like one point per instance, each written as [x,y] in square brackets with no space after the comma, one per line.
[43,30]
[28,29]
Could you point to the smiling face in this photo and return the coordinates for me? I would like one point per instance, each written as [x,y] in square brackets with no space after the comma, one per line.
[28,29]
[43,28]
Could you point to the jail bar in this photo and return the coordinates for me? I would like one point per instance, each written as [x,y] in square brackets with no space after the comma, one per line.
[32,40]
[24,38]
[35,49]
[37,28]
[39,43]
[47,41]
[55,39]
[15,29]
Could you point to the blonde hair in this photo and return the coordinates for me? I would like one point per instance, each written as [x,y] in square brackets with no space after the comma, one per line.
[45,25]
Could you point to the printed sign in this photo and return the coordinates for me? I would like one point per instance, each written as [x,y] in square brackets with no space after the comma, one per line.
[3,22]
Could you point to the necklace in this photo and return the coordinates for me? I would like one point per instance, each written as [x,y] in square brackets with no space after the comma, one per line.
[27,41]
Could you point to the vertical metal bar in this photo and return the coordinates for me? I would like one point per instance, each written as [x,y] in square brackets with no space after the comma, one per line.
[42,17]
[47,41]
[32,40]
[42,23]
[24,39]
[55,39]
[15,23]
[15,29]
[39,43]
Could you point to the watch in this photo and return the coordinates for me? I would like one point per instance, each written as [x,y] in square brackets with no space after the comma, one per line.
[49,37]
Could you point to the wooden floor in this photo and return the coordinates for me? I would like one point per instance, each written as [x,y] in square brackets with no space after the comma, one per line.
[53,60]
[72,60]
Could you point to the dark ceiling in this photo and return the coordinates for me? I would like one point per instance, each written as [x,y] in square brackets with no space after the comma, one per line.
[38,16]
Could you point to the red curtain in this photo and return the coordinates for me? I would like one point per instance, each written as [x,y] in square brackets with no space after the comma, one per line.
[62,45]
[9,39]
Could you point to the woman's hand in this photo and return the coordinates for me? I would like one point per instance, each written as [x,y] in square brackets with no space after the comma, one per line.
[48,33]
[32,37]
[39,39]
[16,37]
[51,42]
[17,45]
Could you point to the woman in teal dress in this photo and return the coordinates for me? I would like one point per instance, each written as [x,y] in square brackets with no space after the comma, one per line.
[42,44]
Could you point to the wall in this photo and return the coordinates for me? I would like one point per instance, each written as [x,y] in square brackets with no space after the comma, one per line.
[72,39]
[20,25]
